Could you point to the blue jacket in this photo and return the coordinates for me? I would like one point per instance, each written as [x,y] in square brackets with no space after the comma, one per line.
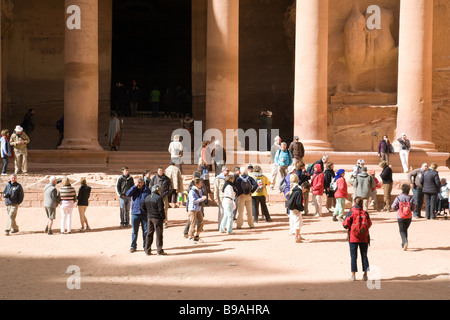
[6,148]
[194,199]
[283,158]
[138,197]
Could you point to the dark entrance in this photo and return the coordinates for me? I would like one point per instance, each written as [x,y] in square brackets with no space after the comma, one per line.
[151,44]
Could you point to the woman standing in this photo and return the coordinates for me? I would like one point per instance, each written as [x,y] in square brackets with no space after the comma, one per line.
[83,202]
[68,198]
[260,194]
[341,195]
[405,206]
[228,205]
[6,150]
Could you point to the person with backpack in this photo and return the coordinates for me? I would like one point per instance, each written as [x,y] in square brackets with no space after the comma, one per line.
[283,159]
[340,194]
[405,206]
[317,188]
[245,186]
[295,206]
[358,223]
[259,196]
[329,176]
[362,186]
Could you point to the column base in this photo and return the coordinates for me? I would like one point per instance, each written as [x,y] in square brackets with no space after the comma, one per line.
[88,145]
[317,145]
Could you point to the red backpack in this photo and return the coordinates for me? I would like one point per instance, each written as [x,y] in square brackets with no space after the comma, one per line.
[404,210]
[360,225]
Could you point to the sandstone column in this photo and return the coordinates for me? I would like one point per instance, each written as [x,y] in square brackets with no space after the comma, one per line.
[415,73]
[81,89]
[311,75]
[222,71]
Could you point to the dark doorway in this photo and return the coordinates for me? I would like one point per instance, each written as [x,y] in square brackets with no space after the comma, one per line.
[151,44]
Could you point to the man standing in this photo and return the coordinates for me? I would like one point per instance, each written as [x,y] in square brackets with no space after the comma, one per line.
[273,152]
[297,150]
[245,186]
[29,124]
[13,195]
[283,159]
[51,201]
[363,185]
[165,185]
[405,148]
[386,176]
[384,149]
[19,141]
[155,97]
[219,183]
[219,156]
[138,193]
[414,178]
[153,206]
[124,183]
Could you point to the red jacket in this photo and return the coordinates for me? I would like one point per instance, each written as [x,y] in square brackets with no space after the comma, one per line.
[317,181]
[351,216]
[341,192]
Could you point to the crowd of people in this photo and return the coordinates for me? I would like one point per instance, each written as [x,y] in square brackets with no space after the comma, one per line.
[145,200]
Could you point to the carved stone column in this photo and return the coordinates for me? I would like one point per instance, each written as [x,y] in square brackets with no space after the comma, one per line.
[415,73]
[222,75]
[81,89]
[311,75]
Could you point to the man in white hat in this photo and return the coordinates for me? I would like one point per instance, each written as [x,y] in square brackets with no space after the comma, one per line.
[19,141]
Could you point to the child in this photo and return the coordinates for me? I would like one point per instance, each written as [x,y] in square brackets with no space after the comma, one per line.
[84,192]
[68,198]
[405,206]
[358,224]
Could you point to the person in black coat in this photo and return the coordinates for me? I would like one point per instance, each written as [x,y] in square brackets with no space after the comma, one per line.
[83,202]
[153,206]
[431,186]
[388,182]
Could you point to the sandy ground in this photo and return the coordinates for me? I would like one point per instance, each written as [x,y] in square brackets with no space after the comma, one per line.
[263,263]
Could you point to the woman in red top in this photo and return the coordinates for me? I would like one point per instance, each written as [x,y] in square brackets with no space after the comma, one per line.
[317,188]
[340,195]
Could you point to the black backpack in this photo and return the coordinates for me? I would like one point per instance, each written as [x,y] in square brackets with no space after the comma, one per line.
[246,185]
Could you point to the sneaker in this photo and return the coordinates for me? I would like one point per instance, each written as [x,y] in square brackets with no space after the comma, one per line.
[6,232]
[335,218]
[162,253]
[132,250]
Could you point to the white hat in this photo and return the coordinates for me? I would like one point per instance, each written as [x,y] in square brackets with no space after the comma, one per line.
[18,129]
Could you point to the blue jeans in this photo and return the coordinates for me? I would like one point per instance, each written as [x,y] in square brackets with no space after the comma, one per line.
[136,221]
[418,198]
[363,248]
[125,206]
[227,221]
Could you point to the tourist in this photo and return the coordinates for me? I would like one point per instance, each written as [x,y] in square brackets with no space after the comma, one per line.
[68,198]
[203,168]
[388,182]
[123,184]
[147,175]
[295,206]
[405,205]
[6,150]
[303,181]
[155,97]
[19,141]
[358,236]
[259,196]
[322,162]
[384,149]
[329,176]
[297,150]
[196,175]
[60,128]
[374,193]
[283,159]
[84,193]
[134,95]
[165,184]
[153,207]
[168,102]
[285,185]
[138,193]
[236,174]
[195,211]
[176,152]
[29,124]
[219,157]
[273,151]
[187,123]
[317,188]
[341,195]
[228,205]
[414,178]
[362,186]
[405,148]
[431,186]
[219,184]
[51,200]
[113,133]
[357,169]
[174,174]
[13,194]
[443,196]
[245,186]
